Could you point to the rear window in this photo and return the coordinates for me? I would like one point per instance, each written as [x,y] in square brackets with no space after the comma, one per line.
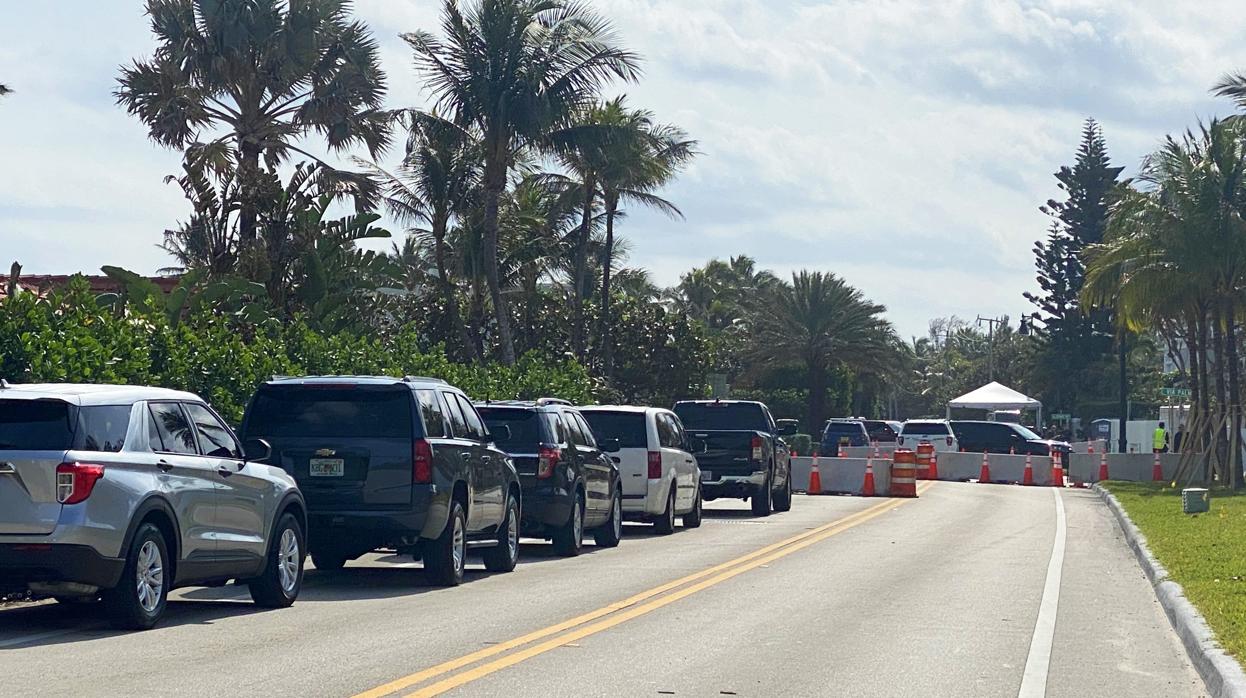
[722,416]
[525,427]
[844,428]
[35,425]
[938,428]
[627,427]
[339,413]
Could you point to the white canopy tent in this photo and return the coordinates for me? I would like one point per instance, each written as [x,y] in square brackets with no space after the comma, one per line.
[994,396]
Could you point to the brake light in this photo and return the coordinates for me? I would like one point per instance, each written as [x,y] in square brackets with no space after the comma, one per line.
[547,460]
[655,465]
[422,462]
[75,481]
[757,448]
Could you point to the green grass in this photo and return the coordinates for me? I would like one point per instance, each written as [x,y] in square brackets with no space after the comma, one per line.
[1204,553]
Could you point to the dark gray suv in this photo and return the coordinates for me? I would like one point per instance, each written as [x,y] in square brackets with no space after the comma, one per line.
[392,463]
[124,493]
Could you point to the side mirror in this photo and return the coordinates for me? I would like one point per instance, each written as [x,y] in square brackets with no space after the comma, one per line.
[610,445]
[785,429]
[501,432]
[257,450]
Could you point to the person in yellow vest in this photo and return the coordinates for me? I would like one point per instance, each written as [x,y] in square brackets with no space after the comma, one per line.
[1159,442]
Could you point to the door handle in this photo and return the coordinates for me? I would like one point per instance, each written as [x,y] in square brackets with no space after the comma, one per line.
[224,471]
[164,465]
[487,459]
[465,455]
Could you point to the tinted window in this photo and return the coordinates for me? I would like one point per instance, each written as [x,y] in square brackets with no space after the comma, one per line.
[336,412]
[475,427]
[1026,433]
[585,429]
[925,428]
[176,433]
[627,427]
[668,433]
[102,428]
[574,431]
[153,434]
[35,425]
[557,428]
[526,432]
[214,437]
[722,416]
[458,424]
[431,412]
[853,428]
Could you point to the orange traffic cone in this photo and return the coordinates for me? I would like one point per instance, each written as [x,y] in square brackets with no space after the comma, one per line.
[867,489]
[1103,466]
[1057,470]
[1157,471]
[934,466]
[985,475]
[815,478]
[840,452]
[1027,478]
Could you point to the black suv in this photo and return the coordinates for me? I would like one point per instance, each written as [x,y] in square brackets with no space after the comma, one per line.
[394,463]
[1004,437]
[570,482]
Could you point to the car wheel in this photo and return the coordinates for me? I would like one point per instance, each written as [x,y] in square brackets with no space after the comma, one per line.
[693,518]
[761,498]
[138,601]
[569,539]
[665,524]
[505,555]
[279,584]
[447,555]
[783,500]
[328,562]
[610,533]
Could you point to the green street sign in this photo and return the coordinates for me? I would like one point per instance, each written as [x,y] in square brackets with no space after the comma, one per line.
[1061,417]
[1174,392]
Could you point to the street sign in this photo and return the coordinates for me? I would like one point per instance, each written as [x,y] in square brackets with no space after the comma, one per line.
[1174,392]
[1061,416]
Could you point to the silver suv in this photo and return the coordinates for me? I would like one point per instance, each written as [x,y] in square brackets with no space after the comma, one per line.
[124,493]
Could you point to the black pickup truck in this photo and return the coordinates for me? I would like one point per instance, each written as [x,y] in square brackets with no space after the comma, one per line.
[740,451]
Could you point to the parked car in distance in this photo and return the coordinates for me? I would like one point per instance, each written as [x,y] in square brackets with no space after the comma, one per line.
[661,478]
[1005,437]
[392,463]
[740,451]
[843,433]
[570,482]
[933,431]
[124,493]
[883,431]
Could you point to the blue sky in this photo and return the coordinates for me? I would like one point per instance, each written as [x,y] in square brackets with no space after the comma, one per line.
[903,144]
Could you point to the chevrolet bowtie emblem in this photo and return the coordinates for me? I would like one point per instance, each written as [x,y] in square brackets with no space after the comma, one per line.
[325,452]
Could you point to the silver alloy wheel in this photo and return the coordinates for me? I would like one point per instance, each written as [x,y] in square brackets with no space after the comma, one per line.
[670,508]
[577,524]
[288,561]
[460,545]
[149,576]
[616,517]
[512,532]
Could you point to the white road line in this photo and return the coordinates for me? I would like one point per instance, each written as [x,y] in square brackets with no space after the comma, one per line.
[1034,680]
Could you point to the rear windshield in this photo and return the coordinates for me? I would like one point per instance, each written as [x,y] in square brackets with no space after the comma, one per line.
[843,428]
[525,427]
[627,427]
[53,425]
[337,412]
[925,428]
[722,416]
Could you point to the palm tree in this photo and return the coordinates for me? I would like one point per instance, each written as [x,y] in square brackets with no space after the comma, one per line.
[516,70]
[437,181]
[267,72]
[821,323]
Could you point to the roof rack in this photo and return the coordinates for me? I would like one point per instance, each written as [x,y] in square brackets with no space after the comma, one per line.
[422,379]
[554,401]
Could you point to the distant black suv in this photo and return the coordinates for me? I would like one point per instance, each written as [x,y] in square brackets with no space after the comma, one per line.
[395,463]
[1004,437]
[570,482]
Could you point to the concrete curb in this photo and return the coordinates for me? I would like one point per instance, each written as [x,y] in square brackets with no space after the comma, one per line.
[1221,673]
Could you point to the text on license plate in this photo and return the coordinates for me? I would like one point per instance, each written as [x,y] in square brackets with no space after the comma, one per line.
[327,467]
[706,475]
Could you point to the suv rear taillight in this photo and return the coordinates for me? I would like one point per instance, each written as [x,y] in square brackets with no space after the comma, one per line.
[757,448]
[75,481]
[422,462]
[655,465]
[547,460]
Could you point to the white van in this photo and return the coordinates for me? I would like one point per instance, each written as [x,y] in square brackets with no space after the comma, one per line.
[661,478]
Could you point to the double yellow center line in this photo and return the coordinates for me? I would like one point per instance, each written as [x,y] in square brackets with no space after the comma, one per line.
[607,617]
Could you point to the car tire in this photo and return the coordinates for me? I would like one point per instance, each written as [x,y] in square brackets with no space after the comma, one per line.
[505,555]
[783,500]
[665,524]
[610,533]
[328,562]
[282,579]
[760,500]
[447,554]
[693,518]
[569,538]
[139,599]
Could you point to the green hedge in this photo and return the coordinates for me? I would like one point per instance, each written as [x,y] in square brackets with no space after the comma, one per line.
[69,337]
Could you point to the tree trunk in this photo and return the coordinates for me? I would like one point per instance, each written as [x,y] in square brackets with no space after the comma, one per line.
[495,182]
[1234,393]
[606,334]
[1122,354]
[1218,356]
[248,176]
[580,269]
[478,318]
[447,288]
[817,401]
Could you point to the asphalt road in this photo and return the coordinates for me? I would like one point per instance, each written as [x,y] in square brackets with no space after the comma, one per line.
[947,595]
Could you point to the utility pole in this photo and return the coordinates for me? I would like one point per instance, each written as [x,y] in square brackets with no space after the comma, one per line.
[991,323]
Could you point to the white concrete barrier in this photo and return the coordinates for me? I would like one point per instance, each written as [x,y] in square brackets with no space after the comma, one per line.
[1084,446]
[1132,467]
[884,451]
[1004,467]
[842,475]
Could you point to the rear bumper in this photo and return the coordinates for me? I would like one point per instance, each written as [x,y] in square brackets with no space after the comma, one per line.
[364,529]
[21,564]
[738,486]
[545,506]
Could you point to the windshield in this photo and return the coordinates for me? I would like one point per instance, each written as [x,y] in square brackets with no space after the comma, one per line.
[341,413]
[722,416]
[1026,433]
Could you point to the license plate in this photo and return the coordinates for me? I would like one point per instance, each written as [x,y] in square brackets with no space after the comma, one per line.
[327,467]
[707,476]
